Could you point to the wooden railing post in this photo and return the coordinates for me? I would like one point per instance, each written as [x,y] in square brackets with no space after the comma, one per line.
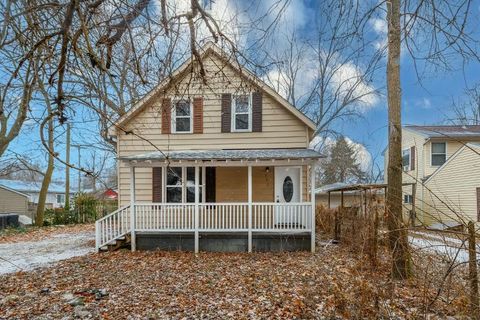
[197,196]
[312,200]
[97,236]
[133,240]
[249,208]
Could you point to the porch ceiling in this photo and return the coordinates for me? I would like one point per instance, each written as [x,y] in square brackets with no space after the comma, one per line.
[226,155]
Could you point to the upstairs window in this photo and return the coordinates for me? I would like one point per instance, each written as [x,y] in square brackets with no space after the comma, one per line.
[439,153]
[242,113]
[406,159]
[182,116]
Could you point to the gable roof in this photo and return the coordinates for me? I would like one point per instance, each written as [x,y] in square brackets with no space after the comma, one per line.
[451,158]
[210,48]
[14,191]
[456,131]
[33,186]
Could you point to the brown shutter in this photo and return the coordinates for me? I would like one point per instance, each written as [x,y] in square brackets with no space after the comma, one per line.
[157,184]
[257,112]
[412,158]
[198,115]
[226,112]
[478,204]
[166,116]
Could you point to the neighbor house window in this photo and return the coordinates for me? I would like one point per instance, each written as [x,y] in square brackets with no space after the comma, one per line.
[439,153]
[181,184]
[407,198]
[242,113]
[60,198]
[182,116]
[406,159]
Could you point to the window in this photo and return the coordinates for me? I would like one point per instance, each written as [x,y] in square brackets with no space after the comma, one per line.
[177,190]
[174,185]
[407,198]
[182,116]
[60,198]
[439,153]
[242,113]
[406,159]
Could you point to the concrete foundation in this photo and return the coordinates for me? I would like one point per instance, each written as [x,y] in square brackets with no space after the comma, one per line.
[224,242]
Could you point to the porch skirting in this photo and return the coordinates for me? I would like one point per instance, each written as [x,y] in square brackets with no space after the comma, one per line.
[224,242]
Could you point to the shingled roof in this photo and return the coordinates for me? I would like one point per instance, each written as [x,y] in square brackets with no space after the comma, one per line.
[460,131]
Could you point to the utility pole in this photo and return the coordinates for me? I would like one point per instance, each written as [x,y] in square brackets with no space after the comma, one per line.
[79,147]
[67,170]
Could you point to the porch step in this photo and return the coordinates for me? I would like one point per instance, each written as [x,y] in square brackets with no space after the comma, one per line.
[121,242]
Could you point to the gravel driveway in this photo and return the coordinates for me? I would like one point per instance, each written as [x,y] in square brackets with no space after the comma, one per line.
[32,254]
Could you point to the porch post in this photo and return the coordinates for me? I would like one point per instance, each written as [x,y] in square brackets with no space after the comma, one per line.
[197,196]
[312,199]
[133,240]
[249,208]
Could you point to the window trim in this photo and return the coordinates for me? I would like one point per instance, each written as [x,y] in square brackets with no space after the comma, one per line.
[250,112]
[60,194]
[183,186]
[409,160]
[431,153]
[174,116]
[408,198]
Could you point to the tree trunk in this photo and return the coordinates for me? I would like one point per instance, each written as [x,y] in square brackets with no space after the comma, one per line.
[473,275]
[42,197]
[397,233]
[67,171]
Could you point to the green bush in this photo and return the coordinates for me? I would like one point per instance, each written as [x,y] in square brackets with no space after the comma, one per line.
[85,207]
[59,216]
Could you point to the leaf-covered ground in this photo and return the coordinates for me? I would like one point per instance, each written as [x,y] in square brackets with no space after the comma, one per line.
[333,283]
[33,233]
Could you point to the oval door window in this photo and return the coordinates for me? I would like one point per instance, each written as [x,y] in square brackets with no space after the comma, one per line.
[288,189]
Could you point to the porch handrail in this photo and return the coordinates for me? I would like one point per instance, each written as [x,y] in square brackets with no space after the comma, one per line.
[112,227]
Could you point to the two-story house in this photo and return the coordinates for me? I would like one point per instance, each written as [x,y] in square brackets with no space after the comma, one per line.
[444,162]
[215,162]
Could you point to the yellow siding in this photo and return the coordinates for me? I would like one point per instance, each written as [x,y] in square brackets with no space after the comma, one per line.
[232,184]
[452,194]
[281,129]
[12,202]
[452,147]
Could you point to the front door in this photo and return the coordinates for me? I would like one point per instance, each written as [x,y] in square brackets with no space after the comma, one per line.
[287,190]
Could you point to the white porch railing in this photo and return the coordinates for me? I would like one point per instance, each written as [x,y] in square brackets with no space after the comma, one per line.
[112,227]
[212,217]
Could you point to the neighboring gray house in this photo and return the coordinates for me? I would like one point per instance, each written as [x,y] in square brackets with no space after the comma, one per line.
[55,195]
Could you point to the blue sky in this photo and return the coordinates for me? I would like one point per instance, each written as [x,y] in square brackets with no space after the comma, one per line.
[428,102]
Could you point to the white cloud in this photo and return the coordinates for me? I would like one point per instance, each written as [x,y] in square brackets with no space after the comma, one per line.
[363,156]
[380,27]
[424,103]
[347,81]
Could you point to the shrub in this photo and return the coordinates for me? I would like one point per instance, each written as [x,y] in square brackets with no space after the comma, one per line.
[85,207]
[58,216]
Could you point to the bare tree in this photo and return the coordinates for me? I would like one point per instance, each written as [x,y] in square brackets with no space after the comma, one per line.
[432,32]
[466,110]
[47,176]
[330,75]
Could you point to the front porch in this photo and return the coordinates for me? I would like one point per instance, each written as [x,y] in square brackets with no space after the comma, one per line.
[223,198]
